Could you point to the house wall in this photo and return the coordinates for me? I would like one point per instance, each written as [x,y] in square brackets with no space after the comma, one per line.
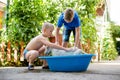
[1,16]
[2,5]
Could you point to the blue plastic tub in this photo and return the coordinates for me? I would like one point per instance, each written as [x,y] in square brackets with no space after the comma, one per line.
[68,63]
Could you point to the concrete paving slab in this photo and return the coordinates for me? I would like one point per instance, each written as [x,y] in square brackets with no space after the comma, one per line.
[95,71]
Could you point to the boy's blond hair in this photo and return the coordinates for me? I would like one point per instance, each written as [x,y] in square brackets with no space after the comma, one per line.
[47,25]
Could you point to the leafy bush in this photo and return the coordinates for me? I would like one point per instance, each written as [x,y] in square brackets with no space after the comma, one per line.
[26,17]
[109,49]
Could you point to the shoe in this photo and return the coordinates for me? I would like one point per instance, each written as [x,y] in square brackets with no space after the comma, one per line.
[45,67]
[30,67]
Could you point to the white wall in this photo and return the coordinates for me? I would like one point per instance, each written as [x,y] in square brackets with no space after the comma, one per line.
[115,11]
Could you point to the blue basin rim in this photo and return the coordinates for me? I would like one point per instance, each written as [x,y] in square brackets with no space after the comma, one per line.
[67,56]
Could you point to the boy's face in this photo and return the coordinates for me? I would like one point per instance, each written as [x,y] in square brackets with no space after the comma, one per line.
[70,20]
[48,31]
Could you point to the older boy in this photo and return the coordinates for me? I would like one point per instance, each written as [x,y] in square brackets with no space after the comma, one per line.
[72,23]
[38,43]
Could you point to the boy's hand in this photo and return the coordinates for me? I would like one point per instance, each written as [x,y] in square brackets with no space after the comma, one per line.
[72,49]
[69,49]
[75,47]
[57,43]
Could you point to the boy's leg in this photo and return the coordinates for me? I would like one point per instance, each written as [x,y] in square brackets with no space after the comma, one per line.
[31,56]
[66,35]
[41,53]
[65,44]
[79,44]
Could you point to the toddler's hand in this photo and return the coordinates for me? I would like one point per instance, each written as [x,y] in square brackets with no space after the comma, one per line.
[57,43]
[75,48]
[69,49]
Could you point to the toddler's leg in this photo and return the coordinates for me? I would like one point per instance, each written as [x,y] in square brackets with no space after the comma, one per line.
[31,56]
[42,53]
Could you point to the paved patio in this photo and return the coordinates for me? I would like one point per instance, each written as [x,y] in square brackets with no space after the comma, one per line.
[96,71]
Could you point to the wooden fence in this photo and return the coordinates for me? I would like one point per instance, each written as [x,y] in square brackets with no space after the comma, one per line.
[6,52]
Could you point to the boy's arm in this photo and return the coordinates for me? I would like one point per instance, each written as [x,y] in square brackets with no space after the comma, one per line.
[57,35]
[59,25]
[52,45]
[77,35]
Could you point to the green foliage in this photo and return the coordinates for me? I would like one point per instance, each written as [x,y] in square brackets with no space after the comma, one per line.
[109,49]
[3,35]
[115,30]
[87,14]
[51,11]
[26,17]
